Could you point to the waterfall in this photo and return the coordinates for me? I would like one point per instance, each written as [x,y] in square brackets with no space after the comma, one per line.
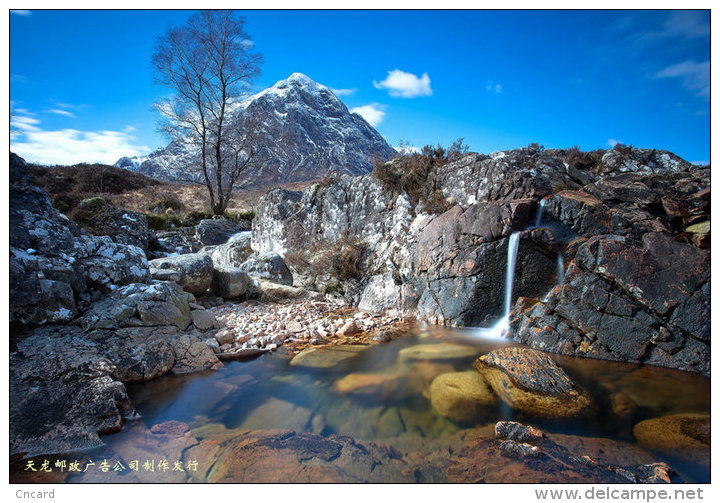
[503,324]
[510,272]
[541,208]
[560,275]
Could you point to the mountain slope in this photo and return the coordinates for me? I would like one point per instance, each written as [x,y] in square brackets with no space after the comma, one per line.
[306,132]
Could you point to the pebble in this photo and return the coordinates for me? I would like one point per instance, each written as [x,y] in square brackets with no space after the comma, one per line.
[266,325]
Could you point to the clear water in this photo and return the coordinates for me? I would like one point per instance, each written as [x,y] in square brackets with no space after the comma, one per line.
[268,393]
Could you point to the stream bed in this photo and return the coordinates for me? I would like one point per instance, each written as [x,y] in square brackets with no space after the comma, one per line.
[374,394]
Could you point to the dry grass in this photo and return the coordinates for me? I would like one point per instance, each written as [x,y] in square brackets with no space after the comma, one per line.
[68,185]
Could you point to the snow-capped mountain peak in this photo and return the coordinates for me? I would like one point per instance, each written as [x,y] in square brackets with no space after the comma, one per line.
[304,132]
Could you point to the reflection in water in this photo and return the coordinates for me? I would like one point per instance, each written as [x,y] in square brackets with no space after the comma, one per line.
[381,395]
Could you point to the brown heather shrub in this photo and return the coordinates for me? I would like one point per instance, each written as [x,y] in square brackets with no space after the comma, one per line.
[166,202]
[585,161]
[413,173]
[340,259]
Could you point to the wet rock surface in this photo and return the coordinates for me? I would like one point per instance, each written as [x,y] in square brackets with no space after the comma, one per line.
[554,459]
[463,397]
[685,436]
[531,383]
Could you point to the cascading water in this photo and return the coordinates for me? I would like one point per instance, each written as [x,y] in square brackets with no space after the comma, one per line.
[503,325]
[560,275]
[541,208]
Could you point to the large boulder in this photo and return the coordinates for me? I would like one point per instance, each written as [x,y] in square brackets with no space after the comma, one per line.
[234,252]
[216,231]
[268,266]
[531,383]
[233,283]
[192,271]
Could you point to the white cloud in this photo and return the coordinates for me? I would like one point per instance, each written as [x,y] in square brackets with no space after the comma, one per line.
[24,123]
[343,92]
[405,85]
[70,146]
[686,23]
[612,142]
[695,76]
[61,112]
[21,12]
[493,87]
[374,113]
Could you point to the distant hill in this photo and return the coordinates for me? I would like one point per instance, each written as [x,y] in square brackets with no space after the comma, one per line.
[306,132]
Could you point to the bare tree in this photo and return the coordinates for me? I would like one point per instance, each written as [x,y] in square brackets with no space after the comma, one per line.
[208,64]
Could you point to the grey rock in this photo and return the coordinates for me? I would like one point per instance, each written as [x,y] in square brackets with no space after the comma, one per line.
[233,283]
[203,320]
[192,271]
[234,252]
[268,266]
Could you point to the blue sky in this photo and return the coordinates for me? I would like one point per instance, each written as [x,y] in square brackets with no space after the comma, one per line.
[81,87]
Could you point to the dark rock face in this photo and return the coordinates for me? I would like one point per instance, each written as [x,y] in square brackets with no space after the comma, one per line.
[98,218]
[305,133]
[627,237]
[56,270]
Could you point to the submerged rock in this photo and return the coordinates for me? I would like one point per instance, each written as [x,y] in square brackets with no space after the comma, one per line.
[463,397]
[684,436]
[281,455]
[326,356]
[439,351]
[531,383]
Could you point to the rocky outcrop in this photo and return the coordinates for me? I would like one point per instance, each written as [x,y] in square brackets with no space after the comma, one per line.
[42,418]
[529,382]
[99,218]
[614,264]
[56,270]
